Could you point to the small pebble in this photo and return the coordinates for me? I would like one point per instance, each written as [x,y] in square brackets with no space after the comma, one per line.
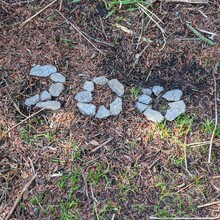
[153,115]
[146,91]
[103,112]
[86,109]
[142,107]
[32,100]
[52,105]
[116,106]
[89,86]
[101,80]
[116,87]
[157,90]
[58,77]
[43,71]
[44,96]
[56,89]
[85,96]
[145,99]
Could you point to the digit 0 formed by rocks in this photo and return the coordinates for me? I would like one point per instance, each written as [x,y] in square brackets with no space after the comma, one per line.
[84,98]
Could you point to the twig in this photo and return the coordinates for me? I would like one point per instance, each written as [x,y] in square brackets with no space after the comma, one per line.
[185,218]
[25,22]
[60,6]
[102,145]
[94,201]
[190,185]
[10,129]
[18,3]
[19,197]
[216,120]
[208,204]
[154,162]
[80,32]
[190,1]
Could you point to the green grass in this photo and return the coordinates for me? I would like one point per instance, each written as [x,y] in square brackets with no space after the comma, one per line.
[135,92]
[208,127]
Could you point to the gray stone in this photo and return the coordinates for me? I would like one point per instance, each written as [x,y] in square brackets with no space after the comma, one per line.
[153,115]
[56,89]
[142,107]
[116,106]
[58,77]
[103,112]
[44,96]
[87,109]
[43,71]
[116,87]
[85,96]
[52,105]
[145,99]
[101,80]
[176,109]
[157,90]
[89,86]
[173,95]
[147,91]
[32,100]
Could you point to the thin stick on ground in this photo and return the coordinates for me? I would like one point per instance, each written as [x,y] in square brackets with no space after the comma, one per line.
[19,197]
[208,204]
[21,122]
[190,185]
[94,202]
[216,120]
[102,145]
[25,22]
[80,32]
[185,218]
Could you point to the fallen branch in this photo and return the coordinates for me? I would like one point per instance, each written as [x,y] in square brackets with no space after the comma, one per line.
[80,32]
[25,22]
[216,118]
[19,197]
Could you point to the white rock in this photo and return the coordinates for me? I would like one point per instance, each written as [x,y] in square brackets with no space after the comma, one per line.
[173,95]
[56,89]
[116,106]
[142,107]
[176,109]
[116,87]
[85,96]
[101,80]
[153,115]
[145,99]
[89,86]
[58,77]
[43,71]
[157,90]
[103,112]
[146,91]
[44,96]
[52,105]
[32,100]
[87,109]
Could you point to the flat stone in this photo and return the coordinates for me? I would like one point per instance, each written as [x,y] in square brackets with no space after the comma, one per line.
[86,109]
[157,90]
[153,115]
[89,86]
[32,100]
[52,105]
[43,71]
[116,106]
[58,77]
[176,109]
[56,89]
[146,91]
[173,95]
[85,96]
[44,96]
[145,99]
[116,87]
[142,107]
[101,80]
[103,112]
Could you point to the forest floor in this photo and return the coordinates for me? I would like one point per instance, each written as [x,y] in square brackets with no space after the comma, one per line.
[64,165]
